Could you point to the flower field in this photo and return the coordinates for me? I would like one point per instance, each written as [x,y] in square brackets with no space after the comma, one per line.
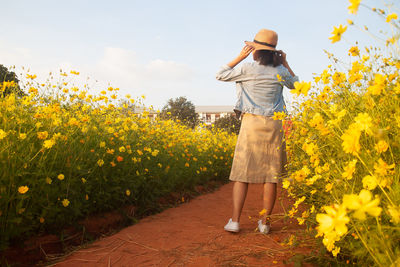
[65,154]
[344,155]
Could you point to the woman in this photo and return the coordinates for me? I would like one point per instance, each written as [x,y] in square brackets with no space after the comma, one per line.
[260,154]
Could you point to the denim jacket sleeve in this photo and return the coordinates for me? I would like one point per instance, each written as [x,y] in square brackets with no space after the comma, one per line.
[287,79]
[228,74]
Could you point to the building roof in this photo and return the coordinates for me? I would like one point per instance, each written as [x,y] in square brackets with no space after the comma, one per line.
[214,109]
[143,109]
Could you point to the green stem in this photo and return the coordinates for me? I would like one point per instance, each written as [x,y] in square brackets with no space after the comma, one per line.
[366,245]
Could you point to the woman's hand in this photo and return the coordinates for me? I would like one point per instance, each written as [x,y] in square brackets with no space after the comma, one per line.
[283,55]
[284,62]
[245,52]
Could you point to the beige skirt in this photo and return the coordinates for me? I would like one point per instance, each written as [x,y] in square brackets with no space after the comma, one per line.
[260,153]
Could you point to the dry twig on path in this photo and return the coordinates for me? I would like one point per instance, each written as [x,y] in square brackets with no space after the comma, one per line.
[133,242]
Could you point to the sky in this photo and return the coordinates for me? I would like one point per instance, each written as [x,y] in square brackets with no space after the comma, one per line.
[166,49]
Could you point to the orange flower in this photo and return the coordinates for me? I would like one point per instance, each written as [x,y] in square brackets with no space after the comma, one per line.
[23,189]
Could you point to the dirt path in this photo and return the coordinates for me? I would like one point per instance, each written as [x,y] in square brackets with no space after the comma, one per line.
[192,235]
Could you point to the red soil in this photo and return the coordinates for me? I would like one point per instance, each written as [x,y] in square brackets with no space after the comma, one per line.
[192,235]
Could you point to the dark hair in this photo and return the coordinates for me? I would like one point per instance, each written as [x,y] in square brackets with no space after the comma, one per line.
[268,57]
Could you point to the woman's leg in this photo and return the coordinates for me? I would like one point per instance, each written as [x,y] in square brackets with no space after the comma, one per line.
[268,200]
[239,196]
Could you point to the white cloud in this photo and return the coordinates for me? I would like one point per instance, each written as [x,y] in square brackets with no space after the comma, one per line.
[123,66]
[157,79]
[10,56]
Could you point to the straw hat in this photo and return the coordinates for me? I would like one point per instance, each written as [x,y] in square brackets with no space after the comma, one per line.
[264,40]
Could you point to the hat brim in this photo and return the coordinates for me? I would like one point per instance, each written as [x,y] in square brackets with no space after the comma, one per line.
[259,46]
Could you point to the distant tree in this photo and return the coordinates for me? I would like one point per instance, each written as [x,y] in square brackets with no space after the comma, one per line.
[180,109]
[9,76]
[229,123]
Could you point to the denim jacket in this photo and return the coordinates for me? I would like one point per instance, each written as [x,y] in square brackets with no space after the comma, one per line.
[258,88]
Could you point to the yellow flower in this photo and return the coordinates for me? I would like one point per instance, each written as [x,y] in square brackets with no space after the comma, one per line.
[48,180]
[7,85]
[354,4]
[351,140]
[370,182]
[312,180]
[317,120]
[335,251]
[42,135]
[378,85]
[23,189]
[261,213]
[3,134]
[122,149]
[28,76]
[354,51]
[394,212]
[303,131]
[49,143]
[390,17]
[74,72]
[102,144]
[301,88]
[349,169]
[364,122]
[61,177]
[65,202]
[362,204]
[299,201]
[286,184]
[337,33]
[186,164]
[381,146]
[22,136]
[335,220]
[328,187]
[279,115]
[128,192]
[391,40]
[300,175]
[155,152]
[382,168]
[310,148]
[83,180]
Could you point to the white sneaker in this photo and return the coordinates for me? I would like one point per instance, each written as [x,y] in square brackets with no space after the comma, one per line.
[263,228]
[232,226]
